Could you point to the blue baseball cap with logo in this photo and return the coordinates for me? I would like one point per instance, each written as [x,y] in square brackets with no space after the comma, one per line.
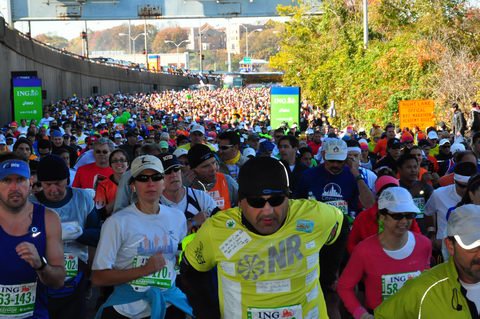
[14,167]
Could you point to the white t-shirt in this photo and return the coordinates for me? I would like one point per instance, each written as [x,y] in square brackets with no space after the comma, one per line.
[405,251]
[205,201]
[439,203]
[23,129]
[473,293]
[130,233]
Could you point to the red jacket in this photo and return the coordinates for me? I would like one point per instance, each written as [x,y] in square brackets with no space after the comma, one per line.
[366,225]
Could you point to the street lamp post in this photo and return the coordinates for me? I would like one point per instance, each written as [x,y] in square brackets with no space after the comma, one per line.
[133,39]
[177,45]
[247,34]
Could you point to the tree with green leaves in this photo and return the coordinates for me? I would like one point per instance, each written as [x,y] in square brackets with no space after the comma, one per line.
[409,43]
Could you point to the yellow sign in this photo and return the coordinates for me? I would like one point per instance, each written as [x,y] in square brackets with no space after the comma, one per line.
[416,113]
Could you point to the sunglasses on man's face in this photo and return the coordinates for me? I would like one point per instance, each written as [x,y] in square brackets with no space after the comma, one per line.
[225,147]
[101,152]
[402,216]
[145,178]
[259,202]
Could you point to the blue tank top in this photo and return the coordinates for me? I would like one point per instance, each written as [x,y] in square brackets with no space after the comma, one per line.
[14,270]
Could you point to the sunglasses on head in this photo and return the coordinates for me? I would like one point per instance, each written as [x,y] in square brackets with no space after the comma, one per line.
[101,152]
[145,178]
[225,147]
[172,170]
[402,216]
[259,202]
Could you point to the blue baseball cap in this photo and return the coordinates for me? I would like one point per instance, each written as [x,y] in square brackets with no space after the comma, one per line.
[56,133]
[14,167]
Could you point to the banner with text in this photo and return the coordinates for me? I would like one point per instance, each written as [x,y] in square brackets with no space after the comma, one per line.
[284,106]
[416,113]
[27,99]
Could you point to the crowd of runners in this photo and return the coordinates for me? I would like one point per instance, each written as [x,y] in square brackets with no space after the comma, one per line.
[188,204]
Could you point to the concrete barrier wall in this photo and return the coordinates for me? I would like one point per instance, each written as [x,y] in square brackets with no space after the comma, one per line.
[63,74]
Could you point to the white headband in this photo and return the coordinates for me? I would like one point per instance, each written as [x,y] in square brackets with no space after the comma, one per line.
[354,149]
[461,178]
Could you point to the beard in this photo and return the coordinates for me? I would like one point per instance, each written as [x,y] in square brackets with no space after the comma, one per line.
[14,205]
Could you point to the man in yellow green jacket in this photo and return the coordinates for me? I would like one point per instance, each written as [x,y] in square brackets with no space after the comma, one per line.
[449,290]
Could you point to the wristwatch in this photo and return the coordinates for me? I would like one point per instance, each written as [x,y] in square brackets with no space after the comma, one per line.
[43,265]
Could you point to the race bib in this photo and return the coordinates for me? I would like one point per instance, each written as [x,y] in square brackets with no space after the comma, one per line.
[420,203]
[17,301]
[392,283]
[71,265]
[292,312]
[159,279]
[340,204]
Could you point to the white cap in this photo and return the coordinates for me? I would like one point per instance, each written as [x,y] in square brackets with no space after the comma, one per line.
[197,128]
[118,135]
[397,200]
[144,162]
[463,224]
[432,135]
[249,152]
[444,141]
[457,147]
[335,149]
[179,152]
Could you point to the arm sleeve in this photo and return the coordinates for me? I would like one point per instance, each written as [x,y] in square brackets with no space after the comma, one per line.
[351,276]
[122,199]
[331,255]
[108,246]
[404,304]
[430,208]
[200,251]
[200,291]
[232,190]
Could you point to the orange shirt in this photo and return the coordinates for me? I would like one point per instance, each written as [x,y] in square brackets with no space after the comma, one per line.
[86,175]
[105,193]
[381,147]
[220,193]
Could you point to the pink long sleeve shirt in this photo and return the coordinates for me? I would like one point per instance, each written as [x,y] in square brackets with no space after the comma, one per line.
[381,274]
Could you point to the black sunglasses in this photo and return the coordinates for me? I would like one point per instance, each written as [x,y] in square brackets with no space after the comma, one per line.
[145,178]
[172,170]
[259,202]
[101,152]
[402,216]
[225,147]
